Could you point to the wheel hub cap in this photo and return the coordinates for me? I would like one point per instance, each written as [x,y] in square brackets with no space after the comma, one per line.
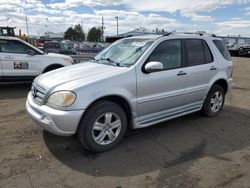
[216,101]
[106,128]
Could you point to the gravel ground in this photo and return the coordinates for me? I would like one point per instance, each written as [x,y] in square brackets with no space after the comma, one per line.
[191,151]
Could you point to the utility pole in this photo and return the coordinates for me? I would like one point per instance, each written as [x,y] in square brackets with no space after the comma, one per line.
[117,24]
[27,28]
[82,24]
[102,29]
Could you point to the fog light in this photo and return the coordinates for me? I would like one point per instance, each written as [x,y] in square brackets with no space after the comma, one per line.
[46,119]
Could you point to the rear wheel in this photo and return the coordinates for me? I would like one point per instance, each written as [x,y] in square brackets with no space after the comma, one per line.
[103,126]
[214,101]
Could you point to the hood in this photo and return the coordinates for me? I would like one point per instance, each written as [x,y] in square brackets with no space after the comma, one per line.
[76,75]
[57,55]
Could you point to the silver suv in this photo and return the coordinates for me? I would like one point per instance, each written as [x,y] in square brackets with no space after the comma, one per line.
[134,83]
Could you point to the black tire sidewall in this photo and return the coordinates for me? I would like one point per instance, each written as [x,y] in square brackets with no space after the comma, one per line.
[87,122]
[206,109]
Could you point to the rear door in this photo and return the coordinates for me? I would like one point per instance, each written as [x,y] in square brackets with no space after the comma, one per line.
[16,63]
[201,68]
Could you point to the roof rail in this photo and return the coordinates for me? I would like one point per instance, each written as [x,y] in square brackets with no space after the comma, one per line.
[200,33]
[169,33]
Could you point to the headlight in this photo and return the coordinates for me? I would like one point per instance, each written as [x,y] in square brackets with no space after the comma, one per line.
[69,59]
[62,98]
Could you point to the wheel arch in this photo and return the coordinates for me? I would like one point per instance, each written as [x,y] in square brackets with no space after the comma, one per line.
[52,66]
[121,101]
[223,83]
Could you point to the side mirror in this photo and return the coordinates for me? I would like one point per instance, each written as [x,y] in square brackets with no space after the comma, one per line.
[31,52]
[153,66]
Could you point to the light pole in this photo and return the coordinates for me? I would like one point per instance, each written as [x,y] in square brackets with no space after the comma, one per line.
[27,27]
[117,25]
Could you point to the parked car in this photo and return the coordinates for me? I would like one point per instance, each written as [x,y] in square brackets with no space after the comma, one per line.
[20,61]
[58,47]
[134,83]
[238,46]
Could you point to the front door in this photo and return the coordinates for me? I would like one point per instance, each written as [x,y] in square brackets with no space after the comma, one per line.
[16,63]
[160,94]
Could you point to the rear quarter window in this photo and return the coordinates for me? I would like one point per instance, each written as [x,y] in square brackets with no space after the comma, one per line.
[223,49]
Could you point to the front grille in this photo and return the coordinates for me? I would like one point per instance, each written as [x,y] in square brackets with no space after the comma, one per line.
[38,93]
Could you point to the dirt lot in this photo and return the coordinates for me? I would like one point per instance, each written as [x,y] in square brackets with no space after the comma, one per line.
[192,151]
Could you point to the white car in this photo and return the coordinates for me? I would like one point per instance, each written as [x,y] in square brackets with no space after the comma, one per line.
[20,61]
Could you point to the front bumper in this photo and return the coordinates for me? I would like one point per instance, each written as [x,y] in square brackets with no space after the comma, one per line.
[62,123]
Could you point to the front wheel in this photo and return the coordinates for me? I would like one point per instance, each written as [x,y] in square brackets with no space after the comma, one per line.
[214,101]
[103,126]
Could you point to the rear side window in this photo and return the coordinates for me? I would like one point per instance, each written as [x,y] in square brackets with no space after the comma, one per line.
[207,53]
[223,49]
[51,45]
[198,52]
[195,52]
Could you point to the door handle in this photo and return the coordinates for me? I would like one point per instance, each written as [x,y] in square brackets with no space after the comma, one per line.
[213,68]
[181,73]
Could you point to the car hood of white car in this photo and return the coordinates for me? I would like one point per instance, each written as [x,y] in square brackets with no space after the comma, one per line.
[56,55]
[75,76]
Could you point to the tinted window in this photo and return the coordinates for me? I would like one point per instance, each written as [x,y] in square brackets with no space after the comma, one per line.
[12,46]
[248,41]
[195,52]
[222,48]
[56,45]
[168,53]
[51,45]
[207,52]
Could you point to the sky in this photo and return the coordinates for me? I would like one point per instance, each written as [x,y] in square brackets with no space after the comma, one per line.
[221,17]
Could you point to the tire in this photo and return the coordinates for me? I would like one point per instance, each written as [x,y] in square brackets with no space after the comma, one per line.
[212,108]
[102,137]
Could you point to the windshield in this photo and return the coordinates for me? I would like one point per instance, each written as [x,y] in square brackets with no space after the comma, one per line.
[124,52]
[33,47]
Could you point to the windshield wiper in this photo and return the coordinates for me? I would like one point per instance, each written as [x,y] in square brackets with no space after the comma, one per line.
[112,61]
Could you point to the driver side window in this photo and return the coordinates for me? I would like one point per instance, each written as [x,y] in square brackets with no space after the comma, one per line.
[12,46]
[168,53]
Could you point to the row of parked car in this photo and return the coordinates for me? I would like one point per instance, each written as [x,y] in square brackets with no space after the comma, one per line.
[71,48]
[238,46]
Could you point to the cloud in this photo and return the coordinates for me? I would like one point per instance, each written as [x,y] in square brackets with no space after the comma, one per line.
[235,24]
[46,10]
[58,16]
[76,3]
[186,8]
[234,27]
[247,11]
